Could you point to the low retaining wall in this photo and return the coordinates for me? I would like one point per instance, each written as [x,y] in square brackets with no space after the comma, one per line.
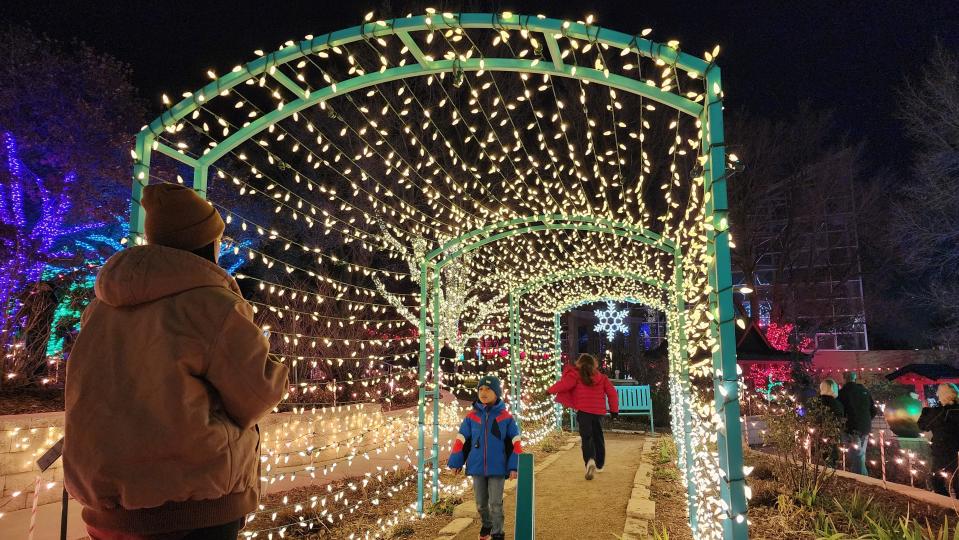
[292,446]
[23,439]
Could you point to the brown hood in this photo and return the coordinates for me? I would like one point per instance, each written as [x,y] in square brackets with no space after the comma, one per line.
[146,273]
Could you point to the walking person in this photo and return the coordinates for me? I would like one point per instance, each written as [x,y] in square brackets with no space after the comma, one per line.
[828,409]
[586,390]
[943,422]
[488,445]
[166,382]
[860,409]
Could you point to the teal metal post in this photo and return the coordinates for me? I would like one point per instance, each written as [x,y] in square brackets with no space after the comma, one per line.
[679,333]
[513,378]
[200,176]
[726,386]
[436,386]
[558,365]
[519,361]
[421,431]
[525,528]
[141,177]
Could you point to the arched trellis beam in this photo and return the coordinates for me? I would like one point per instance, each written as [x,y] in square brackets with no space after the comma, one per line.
[719,274]
[402,28]
[566,275]
[456,248]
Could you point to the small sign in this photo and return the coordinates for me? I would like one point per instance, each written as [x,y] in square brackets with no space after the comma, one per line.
[50,456]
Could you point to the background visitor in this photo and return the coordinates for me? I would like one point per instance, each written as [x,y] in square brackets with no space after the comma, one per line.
[860,410]
[828,409]
[943,422]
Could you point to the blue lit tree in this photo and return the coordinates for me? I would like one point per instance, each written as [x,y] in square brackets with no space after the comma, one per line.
[67,118]
[40,243]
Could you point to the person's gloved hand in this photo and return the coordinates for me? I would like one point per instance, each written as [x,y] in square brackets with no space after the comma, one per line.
[614,415]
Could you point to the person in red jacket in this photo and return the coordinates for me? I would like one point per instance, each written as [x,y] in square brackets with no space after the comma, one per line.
[586,390]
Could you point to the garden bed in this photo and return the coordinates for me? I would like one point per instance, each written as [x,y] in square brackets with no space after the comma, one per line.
[395,509]
[843,506]
[29,400]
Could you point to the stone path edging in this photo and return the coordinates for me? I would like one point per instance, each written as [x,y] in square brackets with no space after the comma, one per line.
[640,509]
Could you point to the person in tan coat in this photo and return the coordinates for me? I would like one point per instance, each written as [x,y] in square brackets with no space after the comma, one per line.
[166,382]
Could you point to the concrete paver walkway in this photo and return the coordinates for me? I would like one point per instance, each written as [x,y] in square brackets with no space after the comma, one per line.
[570,507]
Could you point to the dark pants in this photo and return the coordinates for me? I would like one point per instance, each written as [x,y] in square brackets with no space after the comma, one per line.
[591,433]
[227,531]
[940,483]
[489,501]
[857,452]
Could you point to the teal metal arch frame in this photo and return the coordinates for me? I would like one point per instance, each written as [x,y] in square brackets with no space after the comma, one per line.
[146,141]
[709,114]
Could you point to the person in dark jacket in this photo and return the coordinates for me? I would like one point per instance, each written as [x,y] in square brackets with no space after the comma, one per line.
[488,444]
[860,410]
[824,404]
[590,393]
[943,422]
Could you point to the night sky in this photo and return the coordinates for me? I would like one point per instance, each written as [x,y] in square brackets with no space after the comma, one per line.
[847,56]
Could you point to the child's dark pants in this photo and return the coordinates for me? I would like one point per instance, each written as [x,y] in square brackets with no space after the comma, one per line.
[591,433]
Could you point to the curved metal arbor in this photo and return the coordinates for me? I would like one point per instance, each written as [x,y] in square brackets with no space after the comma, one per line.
[725,518]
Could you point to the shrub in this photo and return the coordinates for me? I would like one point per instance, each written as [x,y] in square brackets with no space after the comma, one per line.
[445,506]
[803,444]
[402,531]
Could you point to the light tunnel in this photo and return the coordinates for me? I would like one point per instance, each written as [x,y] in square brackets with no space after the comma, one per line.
[427,181]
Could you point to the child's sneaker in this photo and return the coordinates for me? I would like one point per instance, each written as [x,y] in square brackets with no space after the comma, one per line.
[484,534]
[599,469]
[590,469]
[499,536]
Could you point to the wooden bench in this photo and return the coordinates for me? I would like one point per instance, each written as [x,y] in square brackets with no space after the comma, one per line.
[633,401]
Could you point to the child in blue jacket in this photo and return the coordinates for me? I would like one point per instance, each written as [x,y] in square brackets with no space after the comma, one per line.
[488,444]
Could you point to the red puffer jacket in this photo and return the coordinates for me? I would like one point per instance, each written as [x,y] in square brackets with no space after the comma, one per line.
[573,393]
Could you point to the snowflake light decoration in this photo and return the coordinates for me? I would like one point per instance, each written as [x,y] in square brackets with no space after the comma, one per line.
[611,321]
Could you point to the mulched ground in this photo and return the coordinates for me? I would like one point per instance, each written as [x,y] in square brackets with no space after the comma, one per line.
[30,400]
[669,494]
[771,521]
[391,517]
[368,517]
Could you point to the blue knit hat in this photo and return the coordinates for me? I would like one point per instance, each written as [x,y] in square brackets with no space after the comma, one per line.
[493,383]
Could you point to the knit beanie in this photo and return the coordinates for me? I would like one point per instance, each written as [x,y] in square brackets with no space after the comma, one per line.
[178,217]
[493,383]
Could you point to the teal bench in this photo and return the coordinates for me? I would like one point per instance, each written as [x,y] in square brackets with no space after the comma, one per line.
[633,401]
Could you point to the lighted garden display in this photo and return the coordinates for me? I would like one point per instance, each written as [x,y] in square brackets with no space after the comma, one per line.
[431,213]
[443,141]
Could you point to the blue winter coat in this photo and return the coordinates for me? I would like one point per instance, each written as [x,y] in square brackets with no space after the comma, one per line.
[488,442]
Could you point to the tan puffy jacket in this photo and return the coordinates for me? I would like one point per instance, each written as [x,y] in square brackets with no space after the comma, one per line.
[165,384]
